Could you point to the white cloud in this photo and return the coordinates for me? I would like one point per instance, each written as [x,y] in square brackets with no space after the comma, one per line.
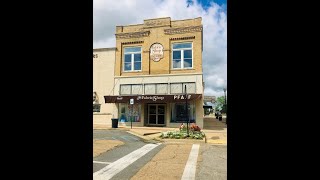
[107,14]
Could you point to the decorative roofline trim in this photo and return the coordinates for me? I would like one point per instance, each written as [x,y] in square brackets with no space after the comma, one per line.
[105,49]
[182,38]
[183,30]
[132,35]
[132,42]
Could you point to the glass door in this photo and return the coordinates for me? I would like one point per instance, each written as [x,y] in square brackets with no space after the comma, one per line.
[156,114]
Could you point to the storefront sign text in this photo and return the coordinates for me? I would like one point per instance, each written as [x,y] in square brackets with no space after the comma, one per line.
[156,52]
[181,96]
[153,98]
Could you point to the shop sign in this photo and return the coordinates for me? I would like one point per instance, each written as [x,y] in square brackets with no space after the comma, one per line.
[153,98]
[156,52]
[181,96]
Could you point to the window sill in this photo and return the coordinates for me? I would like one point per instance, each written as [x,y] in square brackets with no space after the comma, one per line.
[131,71]
[182,69]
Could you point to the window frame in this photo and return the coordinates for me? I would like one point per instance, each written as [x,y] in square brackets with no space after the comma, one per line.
[182,55]
[132,59]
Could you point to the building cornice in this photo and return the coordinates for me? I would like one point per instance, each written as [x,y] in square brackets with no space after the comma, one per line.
[132,42]
[105,49]
[132,35]
[182,30]
[182,38]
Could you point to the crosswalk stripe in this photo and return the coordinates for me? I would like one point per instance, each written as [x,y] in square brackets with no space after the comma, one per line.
[99,162]
[190,168]
[114,168]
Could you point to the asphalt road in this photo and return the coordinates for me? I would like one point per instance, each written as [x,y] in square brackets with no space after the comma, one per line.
[212,159]
[213,162]
[131,143]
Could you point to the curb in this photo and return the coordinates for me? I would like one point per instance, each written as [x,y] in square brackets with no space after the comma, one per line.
[185,141]
[147,138]
[110,128]
[169,141]
[145,134]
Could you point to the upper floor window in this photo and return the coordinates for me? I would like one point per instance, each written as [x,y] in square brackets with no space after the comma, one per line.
[132,59]
[182,55]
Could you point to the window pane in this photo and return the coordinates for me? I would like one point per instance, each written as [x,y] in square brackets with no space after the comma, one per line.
[178,112]
[162,88]
[176,64]
[175,88]
[191,87]
[187,54]
[152,109]
[160,119]
[149,88]
[152,119]
[137,66]
[96,107]
[184,45]
[123,115]
[176,54]
[126,113]
[125,89]
[136,89]
[132,49]
[137,57]
[127,66]
[127,58]
[187,63]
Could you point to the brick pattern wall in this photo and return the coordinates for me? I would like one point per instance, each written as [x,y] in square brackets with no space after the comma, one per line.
[165,32]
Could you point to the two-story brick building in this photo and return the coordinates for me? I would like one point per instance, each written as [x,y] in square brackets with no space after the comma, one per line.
[154,63]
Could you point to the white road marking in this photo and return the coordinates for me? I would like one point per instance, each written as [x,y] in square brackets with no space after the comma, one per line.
[114,168]
[190,168]
[128,138]
[99,162]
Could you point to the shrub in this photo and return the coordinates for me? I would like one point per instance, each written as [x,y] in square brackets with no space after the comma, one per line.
[182,134]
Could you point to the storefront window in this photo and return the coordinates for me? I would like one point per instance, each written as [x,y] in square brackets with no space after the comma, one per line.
[127,113]
[96,107]
[178,114]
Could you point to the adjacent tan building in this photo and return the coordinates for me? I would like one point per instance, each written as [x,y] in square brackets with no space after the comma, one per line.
[154,63]
[103,81]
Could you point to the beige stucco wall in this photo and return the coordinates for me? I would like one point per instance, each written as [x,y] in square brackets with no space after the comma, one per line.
[103,81]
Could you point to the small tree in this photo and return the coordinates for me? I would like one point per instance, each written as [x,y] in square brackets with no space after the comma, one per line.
[220,104]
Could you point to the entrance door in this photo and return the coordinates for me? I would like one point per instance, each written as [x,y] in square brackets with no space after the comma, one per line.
[156,114]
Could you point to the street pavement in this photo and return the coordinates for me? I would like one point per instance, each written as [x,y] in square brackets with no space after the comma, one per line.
[145,156]
[212,163]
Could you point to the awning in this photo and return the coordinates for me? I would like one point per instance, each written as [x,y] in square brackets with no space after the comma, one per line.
[151,98]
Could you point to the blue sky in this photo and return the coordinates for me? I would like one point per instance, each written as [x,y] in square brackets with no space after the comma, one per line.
[107,14]
[206,3]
